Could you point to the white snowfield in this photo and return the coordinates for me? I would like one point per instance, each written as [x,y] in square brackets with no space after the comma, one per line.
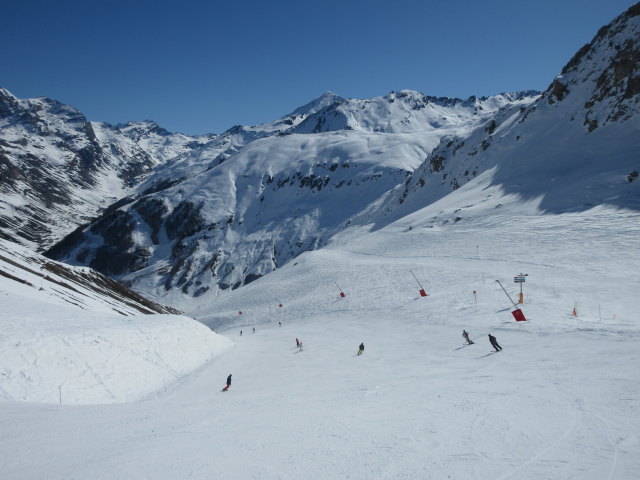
[63,343]
[560,401]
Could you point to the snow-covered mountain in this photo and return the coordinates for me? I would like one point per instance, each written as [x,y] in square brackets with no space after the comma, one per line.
[573,148]
[253,198]
[58,170]
[408,111]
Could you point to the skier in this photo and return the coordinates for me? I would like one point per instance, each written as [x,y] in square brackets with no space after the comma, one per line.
[361,349]
[228,383]
[254,329]
[494,343]
[297,342]
[240,332]
[300,346]
[279,324]
[465,335]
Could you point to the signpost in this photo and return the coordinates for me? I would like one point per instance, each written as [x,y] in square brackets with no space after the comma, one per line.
[520,278]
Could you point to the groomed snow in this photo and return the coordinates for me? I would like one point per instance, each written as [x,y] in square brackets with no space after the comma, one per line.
[560,401]
[63,343]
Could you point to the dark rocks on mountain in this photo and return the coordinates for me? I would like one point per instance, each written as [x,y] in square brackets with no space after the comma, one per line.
[184,220]
[9,173]
[180,263]
[591,124]
[152,211]
[251,278]
[632,176]
[436,163]
[162,185]
[557,91]
[116,205]
[65,246]
[114,257]
[314,182]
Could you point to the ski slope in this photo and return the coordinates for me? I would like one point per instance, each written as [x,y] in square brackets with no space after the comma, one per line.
[70,336]
[560,401]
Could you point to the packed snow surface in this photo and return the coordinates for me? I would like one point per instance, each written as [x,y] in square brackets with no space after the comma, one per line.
[561,400]
[63,342]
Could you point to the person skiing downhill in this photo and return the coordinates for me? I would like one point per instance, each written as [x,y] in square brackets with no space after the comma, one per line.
[361,349]
[494,343]
[297,342]
[228,383]
[465,335]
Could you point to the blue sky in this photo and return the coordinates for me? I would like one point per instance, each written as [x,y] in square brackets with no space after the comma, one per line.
[204,66]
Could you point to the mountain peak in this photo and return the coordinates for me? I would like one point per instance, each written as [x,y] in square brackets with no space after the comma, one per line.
[314,106]
[8,101]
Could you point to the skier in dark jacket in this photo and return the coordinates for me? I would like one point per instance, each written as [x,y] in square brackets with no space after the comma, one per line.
[361,349]
[494,343]
[228,383]
[465,335]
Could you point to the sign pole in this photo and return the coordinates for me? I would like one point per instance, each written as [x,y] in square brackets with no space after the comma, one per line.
[508,296]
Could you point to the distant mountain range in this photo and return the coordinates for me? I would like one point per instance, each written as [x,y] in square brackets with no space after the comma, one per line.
[176,215]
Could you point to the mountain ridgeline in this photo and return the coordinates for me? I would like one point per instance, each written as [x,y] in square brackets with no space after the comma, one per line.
[198,215]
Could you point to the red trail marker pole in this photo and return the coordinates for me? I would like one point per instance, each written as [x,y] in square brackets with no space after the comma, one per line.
[422,291]
[517,313]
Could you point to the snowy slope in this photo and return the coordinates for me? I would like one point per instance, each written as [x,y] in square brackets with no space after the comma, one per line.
[73,336]
[560,401]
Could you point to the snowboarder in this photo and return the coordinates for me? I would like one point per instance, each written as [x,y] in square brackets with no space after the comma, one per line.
[228,383]
[465,335]
[494,343]
[361,349]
